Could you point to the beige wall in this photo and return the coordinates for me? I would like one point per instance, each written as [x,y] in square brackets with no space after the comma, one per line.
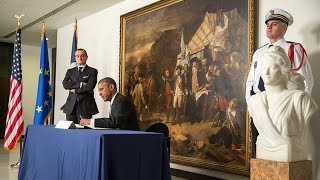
[99,34]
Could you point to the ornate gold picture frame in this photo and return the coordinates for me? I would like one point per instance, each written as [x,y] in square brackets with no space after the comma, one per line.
[185,63]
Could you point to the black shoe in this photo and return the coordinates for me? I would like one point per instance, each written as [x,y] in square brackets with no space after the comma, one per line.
[15,165]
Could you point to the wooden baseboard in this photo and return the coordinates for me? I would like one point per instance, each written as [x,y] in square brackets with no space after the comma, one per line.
[191,176]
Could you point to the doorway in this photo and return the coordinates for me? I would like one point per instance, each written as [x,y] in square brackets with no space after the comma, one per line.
[6,50]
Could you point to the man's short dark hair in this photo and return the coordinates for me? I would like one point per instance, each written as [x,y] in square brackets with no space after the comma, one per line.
[80,49]
[108,80]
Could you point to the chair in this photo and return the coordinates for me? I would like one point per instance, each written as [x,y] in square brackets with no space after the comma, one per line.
[161,128]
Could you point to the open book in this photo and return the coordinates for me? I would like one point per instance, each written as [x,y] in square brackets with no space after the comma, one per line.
[71,125]
[78,126]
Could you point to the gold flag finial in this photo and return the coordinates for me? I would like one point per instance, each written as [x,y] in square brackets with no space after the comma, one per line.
[76,24]
[43,30]
[19,19]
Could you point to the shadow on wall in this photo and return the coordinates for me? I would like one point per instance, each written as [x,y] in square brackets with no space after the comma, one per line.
[311,36]
[314,136]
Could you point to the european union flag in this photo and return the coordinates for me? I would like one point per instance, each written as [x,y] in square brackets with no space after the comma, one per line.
[74,48]
[44,95]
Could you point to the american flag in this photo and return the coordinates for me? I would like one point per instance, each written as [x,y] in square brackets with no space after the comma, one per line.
[14,122]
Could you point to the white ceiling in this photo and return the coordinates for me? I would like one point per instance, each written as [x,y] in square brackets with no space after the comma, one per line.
[56,14]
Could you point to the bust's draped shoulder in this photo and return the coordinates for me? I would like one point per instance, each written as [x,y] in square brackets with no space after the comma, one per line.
[304,105]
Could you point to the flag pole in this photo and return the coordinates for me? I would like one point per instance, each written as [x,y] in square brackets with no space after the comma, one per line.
[43,31]
[44,100]
[19,19]
[76,30]
[74,45]
[15,122]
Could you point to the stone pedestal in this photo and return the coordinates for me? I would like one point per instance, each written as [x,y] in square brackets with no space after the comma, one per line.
[261,169]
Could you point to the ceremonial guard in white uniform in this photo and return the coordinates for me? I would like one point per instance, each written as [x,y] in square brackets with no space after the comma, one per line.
[277,21]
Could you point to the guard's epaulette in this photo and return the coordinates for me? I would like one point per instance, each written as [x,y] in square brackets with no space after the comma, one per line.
[291,54]
[291,42]
[263,46]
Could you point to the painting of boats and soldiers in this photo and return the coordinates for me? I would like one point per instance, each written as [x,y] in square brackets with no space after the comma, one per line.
[184,64]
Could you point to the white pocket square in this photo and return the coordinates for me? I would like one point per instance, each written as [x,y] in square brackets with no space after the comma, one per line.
[85,76]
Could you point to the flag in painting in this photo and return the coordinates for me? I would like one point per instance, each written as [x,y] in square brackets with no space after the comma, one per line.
[14,122]
[74,47]
[44,95]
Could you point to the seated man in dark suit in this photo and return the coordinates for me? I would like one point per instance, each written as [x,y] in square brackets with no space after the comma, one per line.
[122,112]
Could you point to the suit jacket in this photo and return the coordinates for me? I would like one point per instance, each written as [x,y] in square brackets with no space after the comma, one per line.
[84,94]
[123,115]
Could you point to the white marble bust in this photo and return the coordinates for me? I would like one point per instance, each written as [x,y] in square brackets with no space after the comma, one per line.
[282,112]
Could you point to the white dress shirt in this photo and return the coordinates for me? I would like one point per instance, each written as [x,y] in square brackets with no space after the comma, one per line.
[255,70]
[112,99]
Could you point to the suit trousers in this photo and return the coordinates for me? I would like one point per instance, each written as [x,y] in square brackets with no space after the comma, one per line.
[76,115]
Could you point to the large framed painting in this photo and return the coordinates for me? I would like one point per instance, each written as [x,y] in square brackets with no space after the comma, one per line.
[184,63]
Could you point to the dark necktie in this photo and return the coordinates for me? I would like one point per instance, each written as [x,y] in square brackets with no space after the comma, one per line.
[261,85]
[80,70]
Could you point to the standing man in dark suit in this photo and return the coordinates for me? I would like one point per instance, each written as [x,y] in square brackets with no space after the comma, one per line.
[80,81]
[122,113]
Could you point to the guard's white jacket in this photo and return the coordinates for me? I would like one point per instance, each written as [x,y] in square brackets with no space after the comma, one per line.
[300,64]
